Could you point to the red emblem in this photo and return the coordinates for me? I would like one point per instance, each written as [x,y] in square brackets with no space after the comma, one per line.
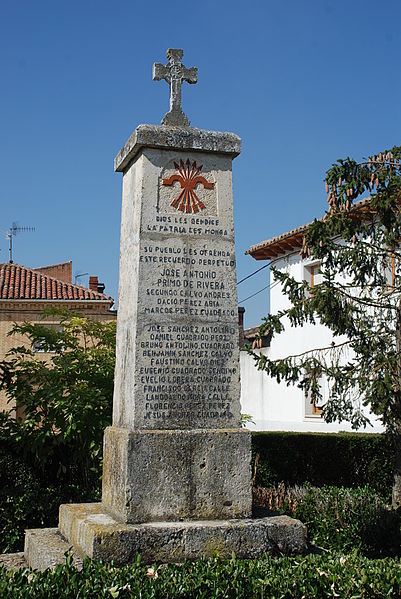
[188,178]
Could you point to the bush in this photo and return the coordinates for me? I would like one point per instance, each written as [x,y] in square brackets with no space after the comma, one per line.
[29,499]
[339,518]
[67,398]
[285,577]
[339,459]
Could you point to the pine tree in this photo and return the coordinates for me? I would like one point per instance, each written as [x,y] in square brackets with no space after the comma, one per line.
[357,243]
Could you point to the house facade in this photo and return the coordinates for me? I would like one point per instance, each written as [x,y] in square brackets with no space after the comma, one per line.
[25,293]
[276,406]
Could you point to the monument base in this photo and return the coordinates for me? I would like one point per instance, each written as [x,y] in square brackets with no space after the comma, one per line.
[170,475]
[91,531]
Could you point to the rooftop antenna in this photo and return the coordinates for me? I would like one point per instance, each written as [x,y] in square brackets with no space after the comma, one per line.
[12,232]
[82,274]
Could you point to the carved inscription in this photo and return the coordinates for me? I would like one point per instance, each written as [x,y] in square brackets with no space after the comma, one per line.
[185,225]
[187,376]
[188,369]
[188,281]
[187,373]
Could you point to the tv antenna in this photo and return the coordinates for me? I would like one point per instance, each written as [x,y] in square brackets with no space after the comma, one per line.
[12,232]
[82,274]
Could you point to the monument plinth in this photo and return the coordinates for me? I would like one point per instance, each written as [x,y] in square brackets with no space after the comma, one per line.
[176,476]
[176,449]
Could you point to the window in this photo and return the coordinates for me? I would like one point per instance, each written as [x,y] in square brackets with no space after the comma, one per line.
[313,274]
[391,275]
[40,345]
[314,406]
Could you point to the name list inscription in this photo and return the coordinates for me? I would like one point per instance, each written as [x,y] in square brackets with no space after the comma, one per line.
[188,346]
[187,373]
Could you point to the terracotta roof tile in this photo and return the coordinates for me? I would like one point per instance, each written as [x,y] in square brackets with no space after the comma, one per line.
[22,283]
[290,240]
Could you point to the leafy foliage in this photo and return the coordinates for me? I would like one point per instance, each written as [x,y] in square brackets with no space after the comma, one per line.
[31,499]
[66,394]
[329,575]
[357,245]
[361,308]
[347,520]
[324,459]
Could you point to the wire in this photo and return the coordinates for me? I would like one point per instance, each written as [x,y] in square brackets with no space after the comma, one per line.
[271,285]
[254,273]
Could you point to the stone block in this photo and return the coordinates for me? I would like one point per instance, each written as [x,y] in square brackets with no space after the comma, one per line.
[95,533]
[173,475]
[13,561]
[178,138]
[45,548]
[177,356]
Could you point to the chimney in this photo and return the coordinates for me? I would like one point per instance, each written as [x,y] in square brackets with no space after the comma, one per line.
[241,338]
[93,284]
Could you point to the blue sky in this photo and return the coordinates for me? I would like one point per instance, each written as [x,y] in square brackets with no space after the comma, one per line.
[302,82]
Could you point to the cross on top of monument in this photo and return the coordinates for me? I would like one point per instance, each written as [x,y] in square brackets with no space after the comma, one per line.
[175,73]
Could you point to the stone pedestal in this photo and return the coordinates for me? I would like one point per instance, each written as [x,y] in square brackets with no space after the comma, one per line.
[177,477]
[159,475]
[176,449]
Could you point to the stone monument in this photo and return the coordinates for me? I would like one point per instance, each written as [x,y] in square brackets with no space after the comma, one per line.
[176,476]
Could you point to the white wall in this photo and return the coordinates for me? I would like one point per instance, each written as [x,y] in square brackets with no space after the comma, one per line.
[276,406]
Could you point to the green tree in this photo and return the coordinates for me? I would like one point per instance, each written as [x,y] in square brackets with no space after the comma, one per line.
[358,246]
[66,393]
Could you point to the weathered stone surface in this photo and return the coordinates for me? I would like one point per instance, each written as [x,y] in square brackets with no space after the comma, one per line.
[176,138]
[175,73]
[94,533]
[45,548]
[171,475]
[177,357]
[13,561]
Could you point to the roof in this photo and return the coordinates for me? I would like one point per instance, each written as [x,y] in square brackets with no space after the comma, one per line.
[252,334]
[22,283]
[291,240]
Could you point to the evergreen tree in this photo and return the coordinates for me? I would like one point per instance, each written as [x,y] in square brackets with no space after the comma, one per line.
[358,246]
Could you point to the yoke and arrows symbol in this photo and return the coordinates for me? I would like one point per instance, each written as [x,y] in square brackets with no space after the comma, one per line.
[188,178]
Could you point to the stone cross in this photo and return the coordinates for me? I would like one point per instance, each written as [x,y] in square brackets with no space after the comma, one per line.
[175,73]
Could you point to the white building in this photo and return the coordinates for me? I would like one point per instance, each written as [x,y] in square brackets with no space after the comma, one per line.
[274,406]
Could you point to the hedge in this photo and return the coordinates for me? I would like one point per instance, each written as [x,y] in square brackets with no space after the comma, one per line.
[339,459]
[30,498]
[329,575]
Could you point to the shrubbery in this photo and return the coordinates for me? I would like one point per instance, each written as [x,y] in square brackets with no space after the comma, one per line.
[346,519]
[31,499]
[338,459]
[54,454]
[302,577]
[67,398]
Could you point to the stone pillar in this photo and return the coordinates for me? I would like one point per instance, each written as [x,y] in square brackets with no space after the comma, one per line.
[176,449]
[176,475]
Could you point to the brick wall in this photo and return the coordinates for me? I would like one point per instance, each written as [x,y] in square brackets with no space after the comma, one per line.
[62,272]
